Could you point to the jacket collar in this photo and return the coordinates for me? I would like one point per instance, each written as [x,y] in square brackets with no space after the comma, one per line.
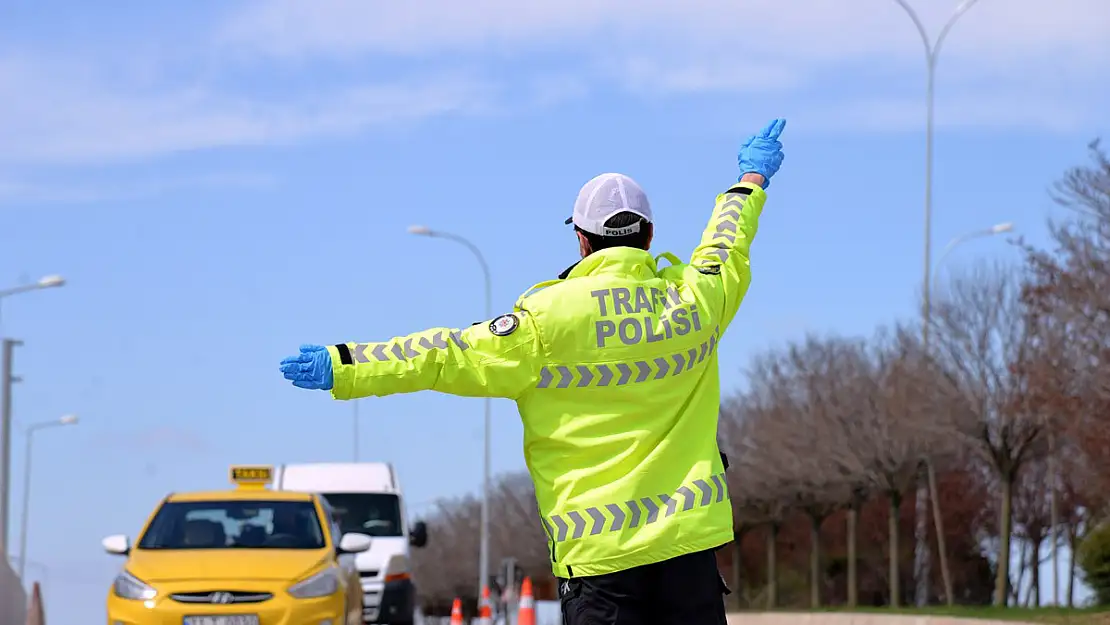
[627,261]
[566,272]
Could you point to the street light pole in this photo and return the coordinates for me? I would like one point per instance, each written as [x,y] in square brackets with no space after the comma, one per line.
[483,555]
[7,380]
[31,429]
[932,49]
[930,472]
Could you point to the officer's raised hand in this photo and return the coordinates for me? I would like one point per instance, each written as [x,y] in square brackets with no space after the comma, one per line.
[762,152]
[310,369]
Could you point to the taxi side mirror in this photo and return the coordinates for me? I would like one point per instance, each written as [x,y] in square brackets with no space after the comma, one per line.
[354,543]
[117,545]
[418,534]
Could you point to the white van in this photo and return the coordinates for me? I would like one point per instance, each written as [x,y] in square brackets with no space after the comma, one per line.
[366,498]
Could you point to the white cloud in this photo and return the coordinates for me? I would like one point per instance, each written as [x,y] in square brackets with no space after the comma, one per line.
[806,32]
[645,75]
[661,47]
[554,89]
[69,118]
[60,192]
[981,109]
[99,110]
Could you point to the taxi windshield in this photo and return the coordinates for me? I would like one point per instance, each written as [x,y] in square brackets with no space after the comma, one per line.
[234,525]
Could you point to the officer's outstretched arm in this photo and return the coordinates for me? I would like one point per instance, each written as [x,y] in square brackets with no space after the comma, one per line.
[492,359]
[723,254]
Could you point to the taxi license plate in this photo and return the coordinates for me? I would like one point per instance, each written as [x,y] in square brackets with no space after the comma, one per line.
[223,619]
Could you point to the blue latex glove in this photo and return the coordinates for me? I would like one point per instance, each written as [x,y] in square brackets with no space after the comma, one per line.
[309,369]
[762,153]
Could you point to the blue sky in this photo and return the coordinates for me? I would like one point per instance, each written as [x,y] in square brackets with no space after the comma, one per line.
[222,181]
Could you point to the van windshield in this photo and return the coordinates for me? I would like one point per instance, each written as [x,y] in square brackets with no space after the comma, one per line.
[373,514]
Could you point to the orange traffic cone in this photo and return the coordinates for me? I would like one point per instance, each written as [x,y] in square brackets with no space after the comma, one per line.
[456,612]
[35,614]
[527,613]
[484,616]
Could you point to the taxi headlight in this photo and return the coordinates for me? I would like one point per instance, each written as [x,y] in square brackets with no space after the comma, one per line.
[127,586]
[322,584]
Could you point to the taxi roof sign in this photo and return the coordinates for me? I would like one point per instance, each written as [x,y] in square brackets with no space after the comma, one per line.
[252,476]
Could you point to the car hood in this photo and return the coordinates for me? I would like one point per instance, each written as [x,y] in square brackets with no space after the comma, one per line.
[239,564]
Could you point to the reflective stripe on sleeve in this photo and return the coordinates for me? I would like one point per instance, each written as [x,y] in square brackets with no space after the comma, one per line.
[724,235]
[406,348]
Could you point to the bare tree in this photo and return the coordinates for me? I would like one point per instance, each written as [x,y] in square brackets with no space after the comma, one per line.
[983,336]
[520,533]
[827,470]
[734,425]
[1032,518]
[837,419]
[1068,293]
[906,414]
[756,477]
[445,567]
[1075,279]
[1013,587]
[840,400]
[1076,512]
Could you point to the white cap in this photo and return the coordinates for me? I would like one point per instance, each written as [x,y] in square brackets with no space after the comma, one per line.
[605,196]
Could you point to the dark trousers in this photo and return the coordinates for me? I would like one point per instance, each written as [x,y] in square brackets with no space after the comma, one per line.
[687,590]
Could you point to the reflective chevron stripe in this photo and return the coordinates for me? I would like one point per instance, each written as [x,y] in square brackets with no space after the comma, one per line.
[406,348]
[615,517]
[621,373]
[724,235]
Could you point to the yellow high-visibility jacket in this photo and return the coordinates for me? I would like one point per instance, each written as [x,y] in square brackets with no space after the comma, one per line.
[614,371]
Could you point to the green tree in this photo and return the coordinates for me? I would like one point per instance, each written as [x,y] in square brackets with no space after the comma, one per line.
[1094,559]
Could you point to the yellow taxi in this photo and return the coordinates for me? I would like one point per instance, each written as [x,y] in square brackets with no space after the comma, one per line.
[247,556]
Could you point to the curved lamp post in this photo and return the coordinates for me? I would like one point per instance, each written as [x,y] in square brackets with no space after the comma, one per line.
[483,557]
[31,429]
[930,473]
[932,50]
[6,382]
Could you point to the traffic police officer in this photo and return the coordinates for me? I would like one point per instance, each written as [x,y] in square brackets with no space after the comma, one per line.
[613,367]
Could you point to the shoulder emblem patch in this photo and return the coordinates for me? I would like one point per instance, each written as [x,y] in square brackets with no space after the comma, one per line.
[710,270]
[504,325]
